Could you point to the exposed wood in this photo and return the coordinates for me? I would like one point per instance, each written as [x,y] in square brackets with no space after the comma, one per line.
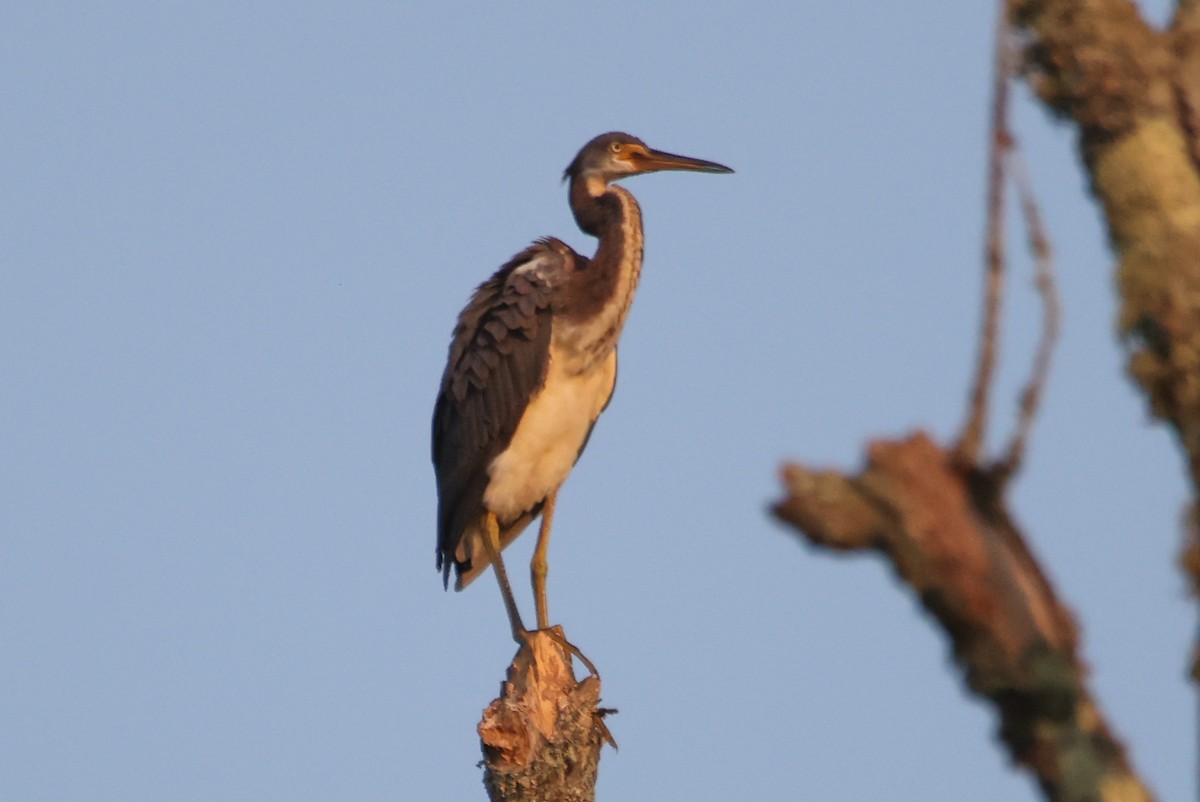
[542,737]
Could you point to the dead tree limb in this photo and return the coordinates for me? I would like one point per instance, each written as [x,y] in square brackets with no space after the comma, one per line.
[542,736]
[940,517]
[945,530]
[1133,94]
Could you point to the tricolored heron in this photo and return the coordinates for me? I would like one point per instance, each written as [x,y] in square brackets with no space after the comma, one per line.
[533,363]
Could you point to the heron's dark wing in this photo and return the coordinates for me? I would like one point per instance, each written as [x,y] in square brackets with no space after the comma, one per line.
[498,360]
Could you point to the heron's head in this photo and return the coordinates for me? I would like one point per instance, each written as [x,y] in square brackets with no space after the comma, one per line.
[611,156]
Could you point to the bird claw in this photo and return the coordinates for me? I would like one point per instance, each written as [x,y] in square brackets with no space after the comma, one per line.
[555,633]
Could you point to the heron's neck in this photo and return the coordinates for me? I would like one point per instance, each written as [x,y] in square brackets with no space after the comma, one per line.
[602,292]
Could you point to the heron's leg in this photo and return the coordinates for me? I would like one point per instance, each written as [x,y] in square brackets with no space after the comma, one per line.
[538,567]
[491,542]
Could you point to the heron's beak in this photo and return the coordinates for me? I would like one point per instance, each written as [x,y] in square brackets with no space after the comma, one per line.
[651,160]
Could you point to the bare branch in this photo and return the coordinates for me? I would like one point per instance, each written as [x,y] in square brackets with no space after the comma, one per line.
[1186,12]
[1043,260]
[940,515]
[944,528]
[1133,94]
[971,440]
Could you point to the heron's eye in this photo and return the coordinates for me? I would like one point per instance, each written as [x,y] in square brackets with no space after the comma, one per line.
[615,147]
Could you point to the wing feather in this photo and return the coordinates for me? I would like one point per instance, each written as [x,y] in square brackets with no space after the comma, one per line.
[498,359]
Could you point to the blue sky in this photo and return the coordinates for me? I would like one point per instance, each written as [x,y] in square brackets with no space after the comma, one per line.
[234,242]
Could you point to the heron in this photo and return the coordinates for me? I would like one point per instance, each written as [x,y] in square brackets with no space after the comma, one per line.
[532,364]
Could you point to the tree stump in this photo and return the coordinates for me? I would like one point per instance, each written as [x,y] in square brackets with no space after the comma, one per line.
[542,737]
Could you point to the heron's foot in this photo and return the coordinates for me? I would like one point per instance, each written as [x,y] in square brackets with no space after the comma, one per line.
[555,633]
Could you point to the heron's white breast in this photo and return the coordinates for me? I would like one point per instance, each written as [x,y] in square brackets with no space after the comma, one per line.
[548,437]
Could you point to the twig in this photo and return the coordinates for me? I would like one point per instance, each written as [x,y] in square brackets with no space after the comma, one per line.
[1043,259]
[971,440]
